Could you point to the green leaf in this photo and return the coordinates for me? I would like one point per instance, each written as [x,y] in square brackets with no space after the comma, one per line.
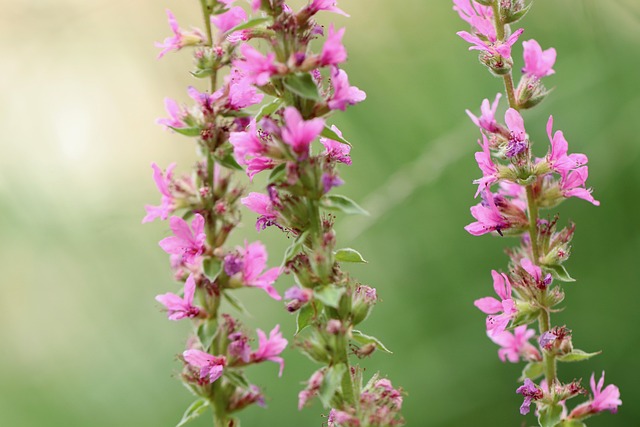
[330,383]
[269,108]
[203,73]
[227,160]
[361,338]
[207,332]
[559,272]
[329,295]
[295,248]
[193,411]
[212,267]
[532,371]
[193,131]
[305,315]
[518,15]
[249,24]
[337,202]
[327,132]
[235,303]
[550,416]
[349,255]
[236,378]
[277,173]
[302,85]
[577,356]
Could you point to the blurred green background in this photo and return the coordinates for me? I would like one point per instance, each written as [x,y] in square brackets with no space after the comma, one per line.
[85,344]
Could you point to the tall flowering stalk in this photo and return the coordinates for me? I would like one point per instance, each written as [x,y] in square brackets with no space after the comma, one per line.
[526,185]
[304,88]
[203,209]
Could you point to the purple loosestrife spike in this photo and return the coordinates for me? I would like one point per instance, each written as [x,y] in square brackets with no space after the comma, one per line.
[487,119]
[489,170]
[211,367]
[343,93]
[495,48]
[336,151]
[257,67]
[557,158]
[180,37]
[518,139]
[263,206]
[573,185]
[506,306]
[270,348]
[602,400]
[167,204]
[180,308]
[299,133]
[189,243]
[515,346]
[538,63]
[530,392]
[328,5]
[333,52]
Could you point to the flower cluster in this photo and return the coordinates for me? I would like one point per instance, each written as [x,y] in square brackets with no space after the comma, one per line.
[203,208]
[290,138]
[515,185]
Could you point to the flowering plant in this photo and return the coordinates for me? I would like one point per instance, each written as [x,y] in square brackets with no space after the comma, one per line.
[526,185]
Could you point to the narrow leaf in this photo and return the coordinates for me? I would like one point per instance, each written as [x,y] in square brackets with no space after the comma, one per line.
[330,383]
[336,202]
[349,255]
[235,303]
[302,85]
[329,295]
[269,108]
[236,378]
[532,371]
[193,411]
[550,416]
[212,267]
[207,332]
[193,131]
[249,24]
[305,315]
[361,338]
[277,173]
[577,356]
[327,132]
[559,272]
[201,74]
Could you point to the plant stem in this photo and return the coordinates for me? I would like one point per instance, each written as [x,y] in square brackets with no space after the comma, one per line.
[207,23]
[511,93]
[533,224]
[548,360]
[507,78]
[348,390]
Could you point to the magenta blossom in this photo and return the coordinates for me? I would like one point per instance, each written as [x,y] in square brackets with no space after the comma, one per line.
[336,151]
[247,144]
[257,67]
[491,306]
[489,170]
[536,272]
[558,159]
[328,5]
[312,389]
[487,120]
[340,418]
[263,206]
[478,16]
[249,264]
[516,345]
[167,204]
[573,185]
[330,180]
[297,297]
[189,243]
[530,392]
[343,94]
[333,52]
[603,400]
[239,346]
[176,115]
[270,348]
[518,136]
[180,37]
[211,367]
[298,133]
[242,93]
[495,48]
[179,308]
[488,217]
[538,63]
[229,19]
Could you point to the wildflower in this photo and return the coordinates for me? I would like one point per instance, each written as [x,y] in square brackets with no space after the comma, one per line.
[518,137]
[298,133]
[489,170]
[343,93]
[538,63]
[257,67]
[602,400]
[249,264]
[179,308]
[557,158]
[495,48]
[229,19]
[329,5]
[572,185]
[189,243]
[334,150]
[487,120]
[270,348]
[167,204]
[488,217]
[176,115]
[536,273]
[263,206]
[312,389]
[478,16]
[211,367]
[491,306]
[180,37]
[516,345]
[530,392]
[333,52]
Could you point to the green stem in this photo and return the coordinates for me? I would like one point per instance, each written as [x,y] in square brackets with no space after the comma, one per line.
[533,224]
[548,359]
[511,92]
[507,78]
[497,21]
[206,11]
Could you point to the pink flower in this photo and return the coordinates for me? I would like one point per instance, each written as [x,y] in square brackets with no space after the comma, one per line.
[572,185]
[270,348]
[518,139]
[495,48]
[250,262]
[488,217]
[343,94]
[328,5]
[179,308]
[313,387]
[557,157]
[167,204]
[536,272]
[211,367]
[247,144]
[297,297]
[478,16]
[516,345]
[486,165]
[487,120]
[330,180]
[176,115]
[336,151]
[180,37]
[257,67]
[242,93]
[189,243]
[231,18]
[538,63]
[603,400]
[262,205]
[333,52]
[298,133]
[239,346]
[342,419]
[491,306]
[530,392]
[203,99]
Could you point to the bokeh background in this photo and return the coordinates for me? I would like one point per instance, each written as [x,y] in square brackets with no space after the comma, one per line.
[83,342]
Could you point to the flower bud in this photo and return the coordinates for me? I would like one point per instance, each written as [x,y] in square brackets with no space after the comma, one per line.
[242,398]
[364,298]
[496,63]
[530,92]
[513,10]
